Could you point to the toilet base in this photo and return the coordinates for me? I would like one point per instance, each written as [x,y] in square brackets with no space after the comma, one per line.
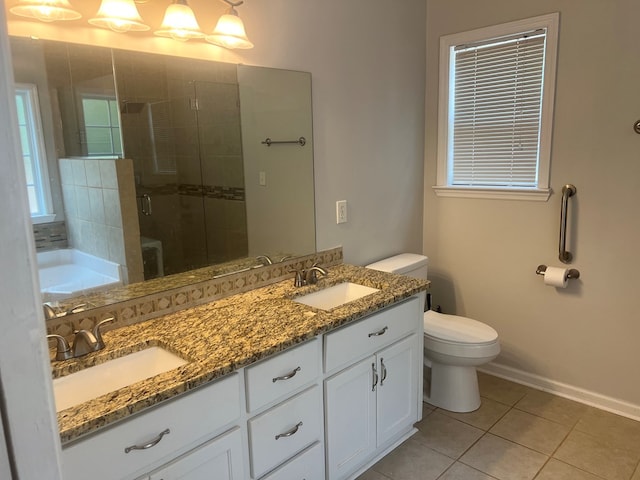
[453,388]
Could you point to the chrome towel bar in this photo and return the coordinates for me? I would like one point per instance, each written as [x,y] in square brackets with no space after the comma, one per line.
[268,142]
[567,191]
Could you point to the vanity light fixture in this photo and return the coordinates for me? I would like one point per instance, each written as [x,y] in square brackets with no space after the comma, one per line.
[120,16]
[46,10]
[229,31]
[179,22]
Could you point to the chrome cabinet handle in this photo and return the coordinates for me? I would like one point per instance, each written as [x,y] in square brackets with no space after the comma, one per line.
[375,377]
[384,371]
[379,332]
[152,443]
[293,431]
[287,376]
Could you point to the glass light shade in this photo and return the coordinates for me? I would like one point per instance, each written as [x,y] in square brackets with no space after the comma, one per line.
[179,23]
[229,33]
[119,16]
[46,10]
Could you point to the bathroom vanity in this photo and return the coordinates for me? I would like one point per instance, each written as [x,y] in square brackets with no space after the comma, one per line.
[273,388]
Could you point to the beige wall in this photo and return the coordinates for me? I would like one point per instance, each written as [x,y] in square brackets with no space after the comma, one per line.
[484,253]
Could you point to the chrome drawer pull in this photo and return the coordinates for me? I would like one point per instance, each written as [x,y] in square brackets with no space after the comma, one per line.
[152,443]
[290,432]
[287,376]
[379,332]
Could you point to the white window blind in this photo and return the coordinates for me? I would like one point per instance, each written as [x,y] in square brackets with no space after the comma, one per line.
[495,113]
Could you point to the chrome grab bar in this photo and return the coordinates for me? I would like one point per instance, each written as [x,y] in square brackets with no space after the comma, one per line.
[567,191]
[268,142]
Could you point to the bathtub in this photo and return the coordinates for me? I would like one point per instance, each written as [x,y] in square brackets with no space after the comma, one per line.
[68,273]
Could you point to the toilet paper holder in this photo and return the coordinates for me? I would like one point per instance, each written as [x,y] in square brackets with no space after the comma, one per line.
[571,274]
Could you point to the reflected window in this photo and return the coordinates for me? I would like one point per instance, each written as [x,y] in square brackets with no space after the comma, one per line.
[33,153]
[102,125]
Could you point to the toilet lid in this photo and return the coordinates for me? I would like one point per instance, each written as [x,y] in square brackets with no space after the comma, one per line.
[457,329]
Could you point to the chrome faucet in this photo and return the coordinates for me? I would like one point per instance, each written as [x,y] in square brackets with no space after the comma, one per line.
[63,350]
[264,259]
[87,342]
[49,312]
[84,342]
[308,276]
[311,276]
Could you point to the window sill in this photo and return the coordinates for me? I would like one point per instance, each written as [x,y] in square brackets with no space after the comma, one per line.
[37,220]
[528,194]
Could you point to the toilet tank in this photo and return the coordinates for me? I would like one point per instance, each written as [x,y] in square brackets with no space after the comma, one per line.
[410,264]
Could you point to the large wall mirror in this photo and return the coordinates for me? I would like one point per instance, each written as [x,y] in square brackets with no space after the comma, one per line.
[143,167]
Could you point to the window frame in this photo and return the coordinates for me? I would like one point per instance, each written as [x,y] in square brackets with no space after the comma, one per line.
[45,213]
[542,191]
[87,94]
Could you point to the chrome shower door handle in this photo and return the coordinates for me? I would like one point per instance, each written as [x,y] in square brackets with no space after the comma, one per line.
[145,201]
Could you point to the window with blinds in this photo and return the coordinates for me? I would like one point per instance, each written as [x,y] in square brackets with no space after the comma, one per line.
[496,133]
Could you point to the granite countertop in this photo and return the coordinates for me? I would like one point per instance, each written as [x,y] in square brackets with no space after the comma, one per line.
[221,337]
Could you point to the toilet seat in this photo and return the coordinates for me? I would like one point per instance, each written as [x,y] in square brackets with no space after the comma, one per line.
[457,330]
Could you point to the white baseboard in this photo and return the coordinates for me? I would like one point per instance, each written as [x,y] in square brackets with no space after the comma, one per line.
[610,404]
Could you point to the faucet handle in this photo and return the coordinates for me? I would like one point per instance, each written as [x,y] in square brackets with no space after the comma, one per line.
[98,333]
[63,350]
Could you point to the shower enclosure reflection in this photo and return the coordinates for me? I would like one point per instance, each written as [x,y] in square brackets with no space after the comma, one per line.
[155,163]
[181,127]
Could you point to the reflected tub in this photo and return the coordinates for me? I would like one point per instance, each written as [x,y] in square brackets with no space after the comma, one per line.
[69,272]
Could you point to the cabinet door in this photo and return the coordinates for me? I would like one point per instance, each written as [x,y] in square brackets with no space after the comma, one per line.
[397,390]
[351,417]
[218,459]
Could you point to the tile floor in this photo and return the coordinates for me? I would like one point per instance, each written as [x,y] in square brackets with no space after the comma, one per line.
[517,434]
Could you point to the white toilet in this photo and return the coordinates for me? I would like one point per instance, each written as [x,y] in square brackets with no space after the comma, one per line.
[453,346]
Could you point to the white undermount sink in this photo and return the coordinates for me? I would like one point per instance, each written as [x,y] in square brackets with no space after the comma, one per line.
[336,295]
[79,387]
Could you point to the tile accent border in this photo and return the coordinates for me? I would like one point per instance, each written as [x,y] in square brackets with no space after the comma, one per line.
[129,312]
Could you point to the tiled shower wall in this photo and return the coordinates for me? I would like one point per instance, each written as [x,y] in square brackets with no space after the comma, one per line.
[101,213]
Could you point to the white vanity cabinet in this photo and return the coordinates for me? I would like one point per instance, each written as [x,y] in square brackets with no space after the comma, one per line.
[371,403]
[322,410]
[156,436]
[284,403]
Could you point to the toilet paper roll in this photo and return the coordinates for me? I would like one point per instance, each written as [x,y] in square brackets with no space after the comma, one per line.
[556,277]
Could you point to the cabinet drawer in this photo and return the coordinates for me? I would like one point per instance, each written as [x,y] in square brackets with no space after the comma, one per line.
[220,458]
[366,336]
[284,430]
[308,465]
[279,376]
[188,418]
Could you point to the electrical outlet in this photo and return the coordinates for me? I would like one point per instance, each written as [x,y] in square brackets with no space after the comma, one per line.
[341,211]
[262,180]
